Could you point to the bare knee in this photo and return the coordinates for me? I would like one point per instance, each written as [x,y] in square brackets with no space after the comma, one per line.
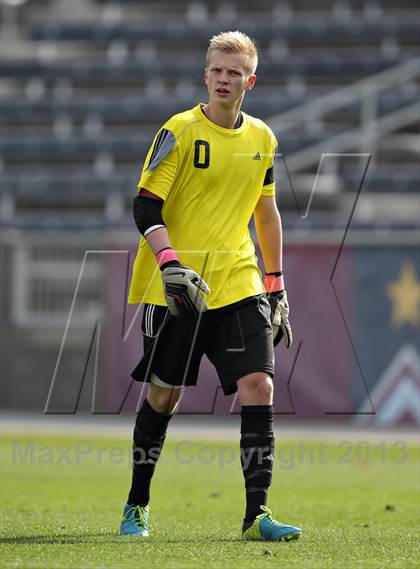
[255,389]
[164,399]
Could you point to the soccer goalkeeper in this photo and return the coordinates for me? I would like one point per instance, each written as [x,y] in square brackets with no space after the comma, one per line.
[207,172]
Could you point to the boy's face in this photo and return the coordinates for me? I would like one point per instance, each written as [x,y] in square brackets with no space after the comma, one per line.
[227,78]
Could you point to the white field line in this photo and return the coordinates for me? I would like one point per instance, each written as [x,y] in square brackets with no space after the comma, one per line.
[195,427]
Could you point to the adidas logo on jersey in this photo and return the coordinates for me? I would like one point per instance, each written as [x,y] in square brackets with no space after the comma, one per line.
[257,156]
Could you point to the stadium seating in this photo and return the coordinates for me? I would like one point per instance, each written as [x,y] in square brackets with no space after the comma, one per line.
[84,87]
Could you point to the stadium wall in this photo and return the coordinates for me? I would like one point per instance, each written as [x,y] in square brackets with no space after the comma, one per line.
[354,312]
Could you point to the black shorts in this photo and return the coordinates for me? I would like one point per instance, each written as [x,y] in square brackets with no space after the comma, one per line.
[237,339]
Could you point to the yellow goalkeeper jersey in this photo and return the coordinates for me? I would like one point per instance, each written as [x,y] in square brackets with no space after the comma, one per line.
[210,179]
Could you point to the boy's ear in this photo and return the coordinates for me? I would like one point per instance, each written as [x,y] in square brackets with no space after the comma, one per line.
[205,75]
[251,82]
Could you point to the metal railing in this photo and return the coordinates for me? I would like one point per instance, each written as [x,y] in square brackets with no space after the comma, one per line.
[366,93]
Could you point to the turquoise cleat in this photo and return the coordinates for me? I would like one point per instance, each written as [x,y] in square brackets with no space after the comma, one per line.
[264,528]
[135,521]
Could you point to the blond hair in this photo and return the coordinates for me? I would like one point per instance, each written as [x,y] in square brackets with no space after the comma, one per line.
[235,42]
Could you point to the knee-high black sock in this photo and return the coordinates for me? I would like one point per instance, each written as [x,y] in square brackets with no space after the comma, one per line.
[149,436]
[257,456]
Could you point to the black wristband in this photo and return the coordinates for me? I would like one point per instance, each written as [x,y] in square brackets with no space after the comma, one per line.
[276,274]
[172,263]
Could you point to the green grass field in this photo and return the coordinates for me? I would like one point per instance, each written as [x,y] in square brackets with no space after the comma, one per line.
[358,505]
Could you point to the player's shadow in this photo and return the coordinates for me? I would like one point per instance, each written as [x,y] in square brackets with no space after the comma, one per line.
[61,538]
[204,539]
[71,539]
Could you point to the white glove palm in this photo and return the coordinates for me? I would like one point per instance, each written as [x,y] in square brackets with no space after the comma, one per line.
[181,287]
[280,318]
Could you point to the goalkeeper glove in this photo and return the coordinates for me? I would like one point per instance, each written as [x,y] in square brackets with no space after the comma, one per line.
[181,286]
[277,298]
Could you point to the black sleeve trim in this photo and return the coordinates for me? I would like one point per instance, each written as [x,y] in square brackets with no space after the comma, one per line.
[158,143]
[269,176]
[147,212]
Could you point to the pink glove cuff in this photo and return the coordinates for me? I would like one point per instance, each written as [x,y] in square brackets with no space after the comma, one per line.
[273,283]
[166,255]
